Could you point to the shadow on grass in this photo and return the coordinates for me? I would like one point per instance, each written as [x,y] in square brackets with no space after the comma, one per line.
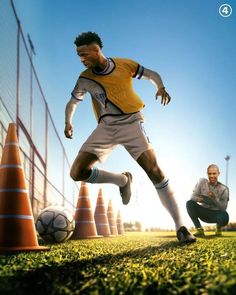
[165,237]
[105,274]
[209,237]
[73,275]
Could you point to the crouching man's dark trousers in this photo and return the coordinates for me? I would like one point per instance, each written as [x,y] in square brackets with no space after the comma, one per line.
[196,212]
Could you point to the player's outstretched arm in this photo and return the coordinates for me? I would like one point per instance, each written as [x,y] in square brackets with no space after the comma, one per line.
[165,97]
[69,112]
[155,78]
[68,130]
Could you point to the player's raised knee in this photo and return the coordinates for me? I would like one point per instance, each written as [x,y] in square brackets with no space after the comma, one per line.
[79,174]
[73,175]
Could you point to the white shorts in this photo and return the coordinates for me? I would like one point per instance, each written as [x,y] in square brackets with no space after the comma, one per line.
[111,131]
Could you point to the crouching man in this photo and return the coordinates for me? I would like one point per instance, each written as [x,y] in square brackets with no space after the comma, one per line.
[209,202]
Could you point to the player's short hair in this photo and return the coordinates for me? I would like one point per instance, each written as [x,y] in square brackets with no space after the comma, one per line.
[88,38]
[213,166]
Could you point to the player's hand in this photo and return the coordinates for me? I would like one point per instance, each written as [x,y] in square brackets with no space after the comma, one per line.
[165,97]
[68,130]
[211,194]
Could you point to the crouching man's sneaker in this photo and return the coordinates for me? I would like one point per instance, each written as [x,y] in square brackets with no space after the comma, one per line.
[184,236]
[199,232]
[125,191]
[218,232]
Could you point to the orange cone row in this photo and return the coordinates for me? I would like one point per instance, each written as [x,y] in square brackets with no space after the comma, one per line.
[84,220]
[102,223]
[100,217]
[17,230]
[111,219]
[119,223]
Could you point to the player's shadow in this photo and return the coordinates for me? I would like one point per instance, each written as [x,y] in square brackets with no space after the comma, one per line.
[43,279]
[164,236]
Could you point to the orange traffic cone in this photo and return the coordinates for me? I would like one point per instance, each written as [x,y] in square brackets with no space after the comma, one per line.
[100,217]
[119,223]
[111,219]
[84,220]
[17,229]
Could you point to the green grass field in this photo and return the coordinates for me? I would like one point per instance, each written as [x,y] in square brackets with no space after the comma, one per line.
[137,263]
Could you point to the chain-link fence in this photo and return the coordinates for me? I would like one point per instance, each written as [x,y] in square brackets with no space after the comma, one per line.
[22,101]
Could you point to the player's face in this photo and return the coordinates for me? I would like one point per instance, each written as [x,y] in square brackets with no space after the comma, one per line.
[213,175]
[89,55]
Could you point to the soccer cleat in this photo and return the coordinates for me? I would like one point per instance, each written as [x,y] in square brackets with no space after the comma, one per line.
[125,191]
[199,232]
[218,232]
[184,236]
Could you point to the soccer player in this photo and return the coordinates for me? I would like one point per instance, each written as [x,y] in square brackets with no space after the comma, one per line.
[209,202]
[117,108]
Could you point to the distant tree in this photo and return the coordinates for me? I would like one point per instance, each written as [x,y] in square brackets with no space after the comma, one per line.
[138,226]
[129,226]
[229,227]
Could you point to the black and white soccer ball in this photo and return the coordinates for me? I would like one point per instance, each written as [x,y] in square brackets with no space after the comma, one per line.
[55,224]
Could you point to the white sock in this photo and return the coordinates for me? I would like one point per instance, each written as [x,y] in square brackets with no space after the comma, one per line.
[168,200]
[101,176]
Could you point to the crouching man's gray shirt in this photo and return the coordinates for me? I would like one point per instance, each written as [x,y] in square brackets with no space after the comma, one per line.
[221,192]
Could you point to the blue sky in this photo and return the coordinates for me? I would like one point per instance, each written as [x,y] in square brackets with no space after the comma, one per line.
[190,45]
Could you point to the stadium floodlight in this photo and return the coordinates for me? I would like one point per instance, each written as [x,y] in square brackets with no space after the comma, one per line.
[227,158]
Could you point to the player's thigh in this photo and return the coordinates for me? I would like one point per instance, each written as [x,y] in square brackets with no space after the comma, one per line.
[100,142]
[134,138]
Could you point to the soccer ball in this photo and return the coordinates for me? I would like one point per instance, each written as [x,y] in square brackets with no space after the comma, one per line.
[55,224]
